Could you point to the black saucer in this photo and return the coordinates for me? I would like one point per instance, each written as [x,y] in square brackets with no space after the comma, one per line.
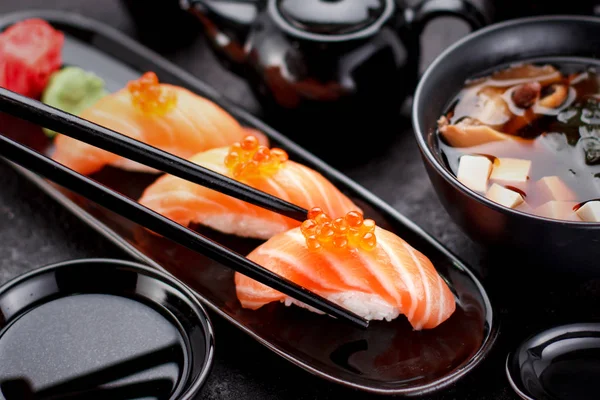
[561,363]
[99,329]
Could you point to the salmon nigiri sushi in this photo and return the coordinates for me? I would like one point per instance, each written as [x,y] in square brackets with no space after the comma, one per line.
[356,264]
[268,170]
[165,116]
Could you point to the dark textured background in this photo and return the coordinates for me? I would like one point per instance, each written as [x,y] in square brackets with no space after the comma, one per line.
[35,231]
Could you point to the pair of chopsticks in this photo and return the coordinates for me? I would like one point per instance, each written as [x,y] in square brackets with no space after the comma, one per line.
[41,114]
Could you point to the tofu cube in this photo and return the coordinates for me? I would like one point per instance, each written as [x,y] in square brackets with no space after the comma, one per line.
[590,211]
[474,172]
[511,170]
[553,188]
[506,197]
[558,210]
[524,207]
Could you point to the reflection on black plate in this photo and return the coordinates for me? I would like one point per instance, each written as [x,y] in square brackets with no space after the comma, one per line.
[386,358]
[561,363]
[61,336]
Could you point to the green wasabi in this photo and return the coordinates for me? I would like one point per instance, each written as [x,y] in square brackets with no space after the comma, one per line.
[72,89]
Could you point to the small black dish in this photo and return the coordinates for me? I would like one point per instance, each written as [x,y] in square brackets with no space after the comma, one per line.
[561,363]
[563,247]
[100,328]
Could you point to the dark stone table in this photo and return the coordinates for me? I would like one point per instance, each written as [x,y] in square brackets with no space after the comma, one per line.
[34,231]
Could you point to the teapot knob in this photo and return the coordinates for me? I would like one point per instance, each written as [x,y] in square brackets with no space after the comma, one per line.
[330,20]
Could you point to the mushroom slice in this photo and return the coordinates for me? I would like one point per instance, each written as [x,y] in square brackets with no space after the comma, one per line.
[469,132]
[555,99]
[523,73]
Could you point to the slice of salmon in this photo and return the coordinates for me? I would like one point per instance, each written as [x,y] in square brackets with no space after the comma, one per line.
[192,125]
[186,202]
[392,279]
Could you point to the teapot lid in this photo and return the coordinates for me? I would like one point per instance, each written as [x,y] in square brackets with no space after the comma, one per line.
[330,20]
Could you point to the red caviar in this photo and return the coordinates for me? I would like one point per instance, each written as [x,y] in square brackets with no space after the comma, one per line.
[247,158]
[149,96]
[350,231]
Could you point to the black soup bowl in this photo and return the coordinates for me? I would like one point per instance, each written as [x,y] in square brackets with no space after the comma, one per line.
[569,247]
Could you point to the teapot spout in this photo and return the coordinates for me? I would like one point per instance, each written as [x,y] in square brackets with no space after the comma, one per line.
[226,24]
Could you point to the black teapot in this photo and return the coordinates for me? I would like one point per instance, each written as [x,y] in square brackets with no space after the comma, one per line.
[331,74]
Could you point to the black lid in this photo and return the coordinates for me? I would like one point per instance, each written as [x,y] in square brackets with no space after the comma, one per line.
[98,329]
[322,19]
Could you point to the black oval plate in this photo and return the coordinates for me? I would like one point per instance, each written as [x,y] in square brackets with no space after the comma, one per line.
[61,336]
[389,357]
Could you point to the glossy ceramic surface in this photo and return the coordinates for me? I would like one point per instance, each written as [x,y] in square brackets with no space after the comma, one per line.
[558,246]
[327,18]
[150,14]
[386,358]
[326,70]
[561,363]
[61,337]
[510,9]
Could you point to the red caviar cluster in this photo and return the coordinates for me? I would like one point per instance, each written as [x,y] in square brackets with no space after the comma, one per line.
[351,230]
[149,96]
[247,158]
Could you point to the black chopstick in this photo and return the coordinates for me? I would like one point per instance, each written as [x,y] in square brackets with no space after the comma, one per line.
[134,211]
[78,128]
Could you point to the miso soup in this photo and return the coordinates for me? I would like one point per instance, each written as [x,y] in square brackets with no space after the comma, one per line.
[527,137]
